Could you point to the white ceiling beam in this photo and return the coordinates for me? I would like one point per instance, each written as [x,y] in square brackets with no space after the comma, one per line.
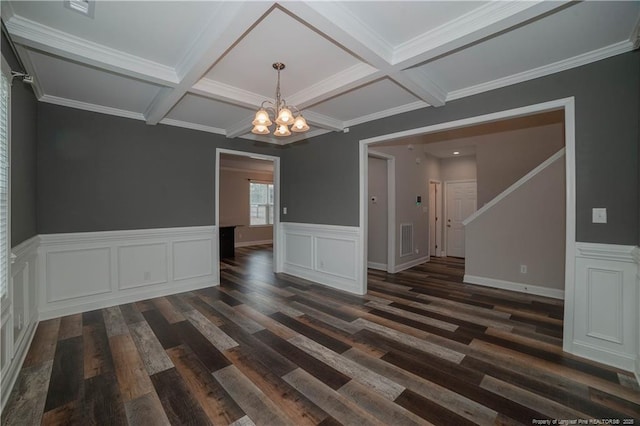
[320,120]
[230,21]
[337,23]
[349,79]
[40,37]
[482,22]
[226,93]
[240,128]
[421,85]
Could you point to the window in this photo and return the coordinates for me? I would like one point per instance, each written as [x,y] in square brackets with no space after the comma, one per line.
[260,203]
[5,247]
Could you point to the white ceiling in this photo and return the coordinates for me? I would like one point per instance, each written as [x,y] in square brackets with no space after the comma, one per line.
[207,65]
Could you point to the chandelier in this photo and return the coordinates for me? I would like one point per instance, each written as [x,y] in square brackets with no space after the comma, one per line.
[280,112]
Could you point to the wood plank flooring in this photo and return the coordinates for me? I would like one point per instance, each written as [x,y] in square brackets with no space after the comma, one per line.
[420,348]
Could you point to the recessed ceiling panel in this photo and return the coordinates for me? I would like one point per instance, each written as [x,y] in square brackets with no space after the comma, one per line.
[372,98]
[158,31]
[199,110]
[575,30]
[309,57]
[399,21]
[75,82]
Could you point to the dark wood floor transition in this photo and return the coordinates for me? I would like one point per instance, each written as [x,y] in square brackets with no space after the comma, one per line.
[266,349]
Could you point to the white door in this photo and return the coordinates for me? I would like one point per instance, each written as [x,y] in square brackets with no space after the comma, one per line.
[461,203]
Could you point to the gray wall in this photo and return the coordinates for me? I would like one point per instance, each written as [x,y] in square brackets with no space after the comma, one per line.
[23,155]
[377,244]
[458,168]
[505,157]
[234,204]
[98,172]
[535,214]
[320,177]
[412,180]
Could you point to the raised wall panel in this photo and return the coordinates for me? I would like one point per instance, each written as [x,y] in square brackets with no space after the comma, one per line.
[298,250]
[336,256]
[142,265]
[605,298]
[192,259]
[78,273]
[604,313]
[326,254]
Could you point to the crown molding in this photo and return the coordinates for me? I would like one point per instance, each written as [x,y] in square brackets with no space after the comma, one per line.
[576,61]
[91,107]
[40,37]
[31,69]
[635,35]
[240,128]
[386,113]
[481,22]
[192,126]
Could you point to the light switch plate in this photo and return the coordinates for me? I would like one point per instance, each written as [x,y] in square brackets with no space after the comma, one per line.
[599,215]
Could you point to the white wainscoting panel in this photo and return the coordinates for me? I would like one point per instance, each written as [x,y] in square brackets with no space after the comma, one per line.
[142,264]
[605,323]
[92,270]
[75,273]
[19,314]
[192,258]
[327,254]
[298,249]
[636,257]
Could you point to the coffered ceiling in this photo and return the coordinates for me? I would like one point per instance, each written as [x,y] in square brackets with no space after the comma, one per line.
[207,65]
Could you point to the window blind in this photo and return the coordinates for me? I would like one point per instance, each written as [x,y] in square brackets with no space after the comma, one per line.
[4,186]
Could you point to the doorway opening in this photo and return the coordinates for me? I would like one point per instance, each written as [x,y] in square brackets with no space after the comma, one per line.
[247,202]
[567,107]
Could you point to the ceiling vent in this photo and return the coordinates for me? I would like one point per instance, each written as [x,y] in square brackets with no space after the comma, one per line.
[85,7]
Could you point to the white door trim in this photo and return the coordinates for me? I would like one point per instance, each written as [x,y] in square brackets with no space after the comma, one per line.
[566,104]
[445,202]
[277,247]
[391,209]
[438,214]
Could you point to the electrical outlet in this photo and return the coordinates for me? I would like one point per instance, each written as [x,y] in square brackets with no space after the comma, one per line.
[147,276]
[284,210]
[523,269]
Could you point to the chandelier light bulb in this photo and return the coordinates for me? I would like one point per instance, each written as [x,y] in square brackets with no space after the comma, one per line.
[280,112]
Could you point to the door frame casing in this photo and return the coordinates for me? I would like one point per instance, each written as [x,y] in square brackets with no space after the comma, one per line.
[391,208]
[565,104]
[445,208]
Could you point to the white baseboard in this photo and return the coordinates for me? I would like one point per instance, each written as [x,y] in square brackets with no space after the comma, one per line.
[377,265]
[327,254]
[252,243]
[92,270]
[411,264]
[606,356]
[513,286]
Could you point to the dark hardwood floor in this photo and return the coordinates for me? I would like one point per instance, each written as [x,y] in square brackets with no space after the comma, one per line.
[420,348]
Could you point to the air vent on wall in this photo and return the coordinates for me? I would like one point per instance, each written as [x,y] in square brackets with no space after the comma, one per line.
[85,7]
[406,239]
